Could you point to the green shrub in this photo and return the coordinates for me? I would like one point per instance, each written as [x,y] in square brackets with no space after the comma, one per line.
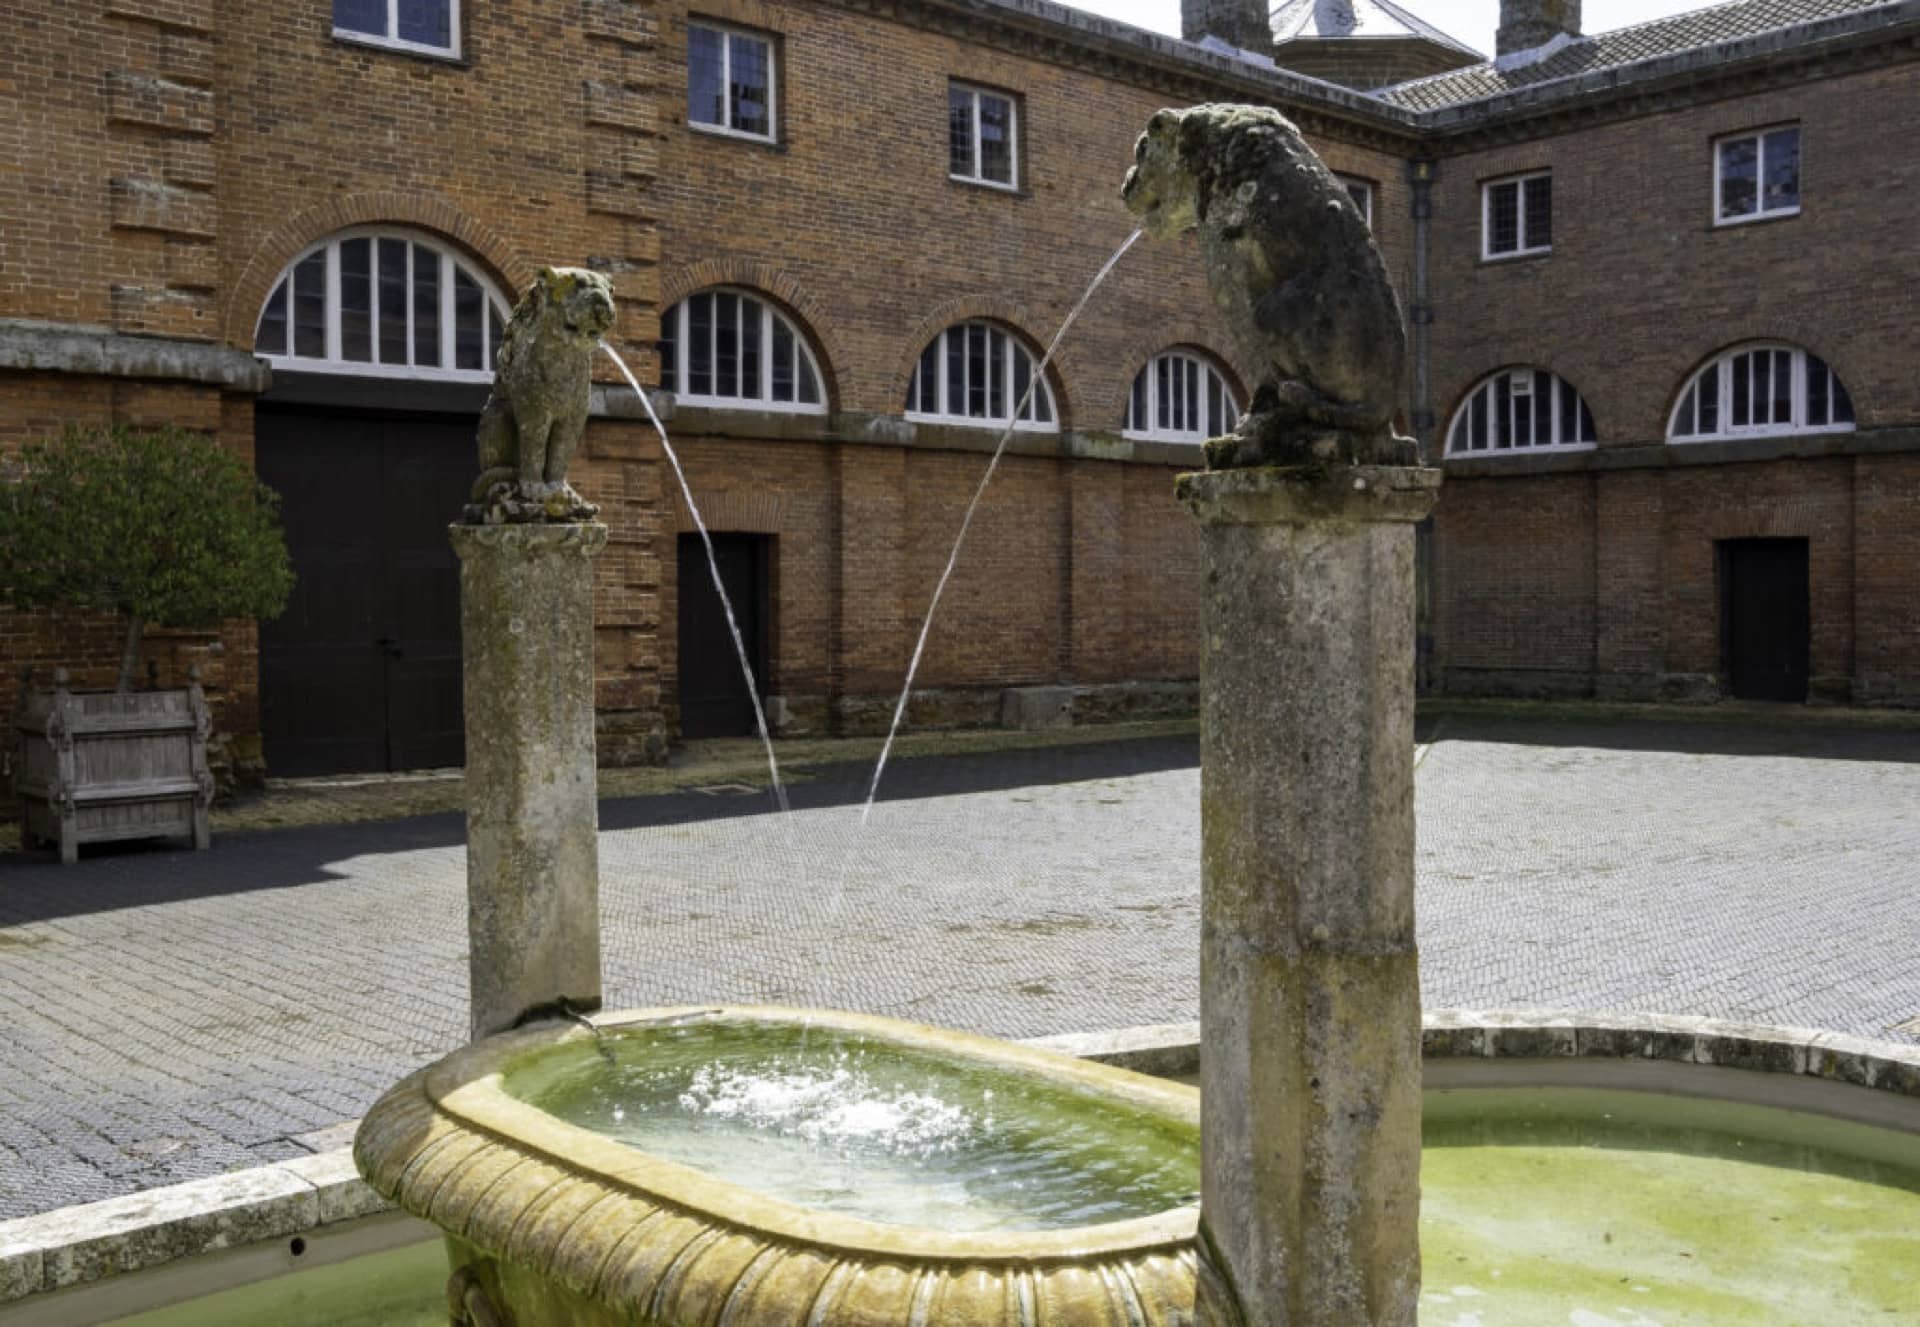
[160,526]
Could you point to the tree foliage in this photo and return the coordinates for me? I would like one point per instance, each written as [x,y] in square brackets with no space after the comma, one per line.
[160,526]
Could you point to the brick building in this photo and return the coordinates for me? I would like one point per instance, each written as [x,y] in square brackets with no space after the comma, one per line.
[841,235]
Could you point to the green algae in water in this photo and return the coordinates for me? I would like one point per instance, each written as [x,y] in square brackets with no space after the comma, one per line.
[1619,1209]
[403,1287]
[871,1129]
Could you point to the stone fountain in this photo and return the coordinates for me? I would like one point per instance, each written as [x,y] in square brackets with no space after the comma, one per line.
[772,1168]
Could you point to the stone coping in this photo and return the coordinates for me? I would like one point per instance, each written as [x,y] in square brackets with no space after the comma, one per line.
[137,1231]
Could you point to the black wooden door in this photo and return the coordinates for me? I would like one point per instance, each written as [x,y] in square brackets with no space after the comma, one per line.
[714,701]
[1764,618]
[362,672]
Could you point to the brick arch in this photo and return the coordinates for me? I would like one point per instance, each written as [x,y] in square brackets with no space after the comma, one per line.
[1790,332]
[426,212]
[787,293]
[1141,349]
[1009,313]
[733,511]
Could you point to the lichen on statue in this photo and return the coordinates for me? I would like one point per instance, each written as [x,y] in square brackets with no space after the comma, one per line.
[534,419]
[1296,277]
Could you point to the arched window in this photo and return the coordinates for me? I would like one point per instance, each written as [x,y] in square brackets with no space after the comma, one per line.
[727,348]
[1180,397]
[1521,410]
[382,303]
[1757,391]
[977,373]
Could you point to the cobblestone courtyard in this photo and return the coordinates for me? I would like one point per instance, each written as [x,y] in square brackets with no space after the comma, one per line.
[171,1015]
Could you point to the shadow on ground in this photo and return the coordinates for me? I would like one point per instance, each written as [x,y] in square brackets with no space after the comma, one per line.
[112,876]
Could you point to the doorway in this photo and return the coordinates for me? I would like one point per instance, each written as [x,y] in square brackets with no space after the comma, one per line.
[1765,631]
[362,672]
[714,700]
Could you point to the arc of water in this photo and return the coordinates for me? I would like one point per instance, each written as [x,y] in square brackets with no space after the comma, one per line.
[713,567]
[953,559]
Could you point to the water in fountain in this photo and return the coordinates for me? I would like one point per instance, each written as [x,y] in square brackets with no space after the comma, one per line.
[713,568]
[953,558]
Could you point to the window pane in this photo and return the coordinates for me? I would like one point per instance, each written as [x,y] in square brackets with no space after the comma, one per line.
[996,139]
[393,301]
[1503,218]
[1683,418]
[495,320]
[726,345]
[809,385]
[960,132]
[1783,387]
[356,300]
[1817,398]
[429,22]
[670,349]
[700,345]
[426,306]
[998,407]
[752,317]
[310,306]
[1540,212]
[271,339]
[1842,403]
[1742,389]
[782,361]
[1502,412]
[956,339]
[469,313]
[706,95]
[1215,409]
[1362,196]
[1137,401]
[1042,411]
[1163,392]
[976,371]
[368,16]
[750,89]
[1542,408]
[1192,418]
[1569,413]
[1710,399]
[1738,177]
[1588,433]
[1523,400]
[927,379]
[1763,388]
[1480,418]
[1783,170]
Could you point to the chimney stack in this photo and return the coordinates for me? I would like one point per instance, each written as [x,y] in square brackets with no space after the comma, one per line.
[1242,23]
[1525,24]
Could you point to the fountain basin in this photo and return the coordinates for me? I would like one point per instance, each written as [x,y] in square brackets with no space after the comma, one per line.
[551,1221]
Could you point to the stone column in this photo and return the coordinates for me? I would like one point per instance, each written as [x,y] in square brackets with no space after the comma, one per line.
[1309,975]
[533,873]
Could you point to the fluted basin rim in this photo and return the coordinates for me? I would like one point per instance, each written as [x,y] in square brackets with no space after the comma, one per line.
[466,1086]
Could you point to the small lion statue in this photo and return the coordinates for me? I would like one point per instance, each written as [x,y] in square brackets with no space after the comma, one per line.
[1294,272]
[538,410]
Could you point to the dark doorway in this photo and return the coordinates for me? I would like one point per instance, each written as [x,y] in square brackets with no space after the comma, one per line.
[714,701]
[362,672]
[1764,625]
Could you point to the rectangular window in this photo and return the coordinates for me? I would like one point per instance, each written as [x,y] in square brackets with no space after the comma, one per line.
[1517,216]
[430,26]
[730,81]
[982,137]
[1361,192]
[1757,175]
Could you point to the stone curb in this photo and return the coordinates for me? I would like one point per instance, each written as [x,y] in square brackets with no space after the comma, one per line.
[142,1230]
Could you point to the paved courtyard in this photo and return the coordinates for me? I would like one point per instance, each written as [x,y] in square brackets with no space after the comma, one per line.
[169,1014]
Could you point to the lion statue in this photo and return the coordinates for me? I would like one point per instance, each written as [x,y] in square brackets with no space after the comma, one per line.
[1294,272]
[538,410]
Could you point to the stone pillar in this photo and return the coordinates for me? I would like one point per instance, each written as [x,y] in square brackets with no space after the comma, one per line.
[1309,975]
[533,872]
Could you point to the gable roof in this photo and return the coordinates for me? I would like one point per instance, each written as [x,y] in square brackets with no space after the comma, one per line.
[1359,20]
[1608,51]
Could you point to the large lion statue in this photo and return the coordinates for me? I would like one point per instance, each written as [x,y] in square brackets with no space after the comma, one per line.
[538,410]
[1295,275]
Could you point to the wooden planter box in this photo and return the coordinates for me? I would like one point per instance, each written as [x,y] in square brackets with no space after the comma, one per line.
[93,766]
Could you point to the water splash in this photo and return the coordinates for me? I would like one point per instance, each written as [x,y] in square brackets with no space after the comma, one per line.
[926,624]
[713,568]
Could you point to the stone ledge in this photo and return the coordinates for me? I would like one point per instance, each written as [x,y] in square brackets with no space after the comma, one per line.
[37,347]
[145,1230]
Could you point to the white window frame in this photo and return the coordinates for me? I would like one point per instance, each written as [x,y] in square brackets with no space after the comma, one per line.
[393,42]
[974,93]
[1726,430]
[1524,250]
[1364,201]
[1193,361]
[1761,211]
[727,33]
[334,362]
[1489,386]
[1014,346]
[764,402]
